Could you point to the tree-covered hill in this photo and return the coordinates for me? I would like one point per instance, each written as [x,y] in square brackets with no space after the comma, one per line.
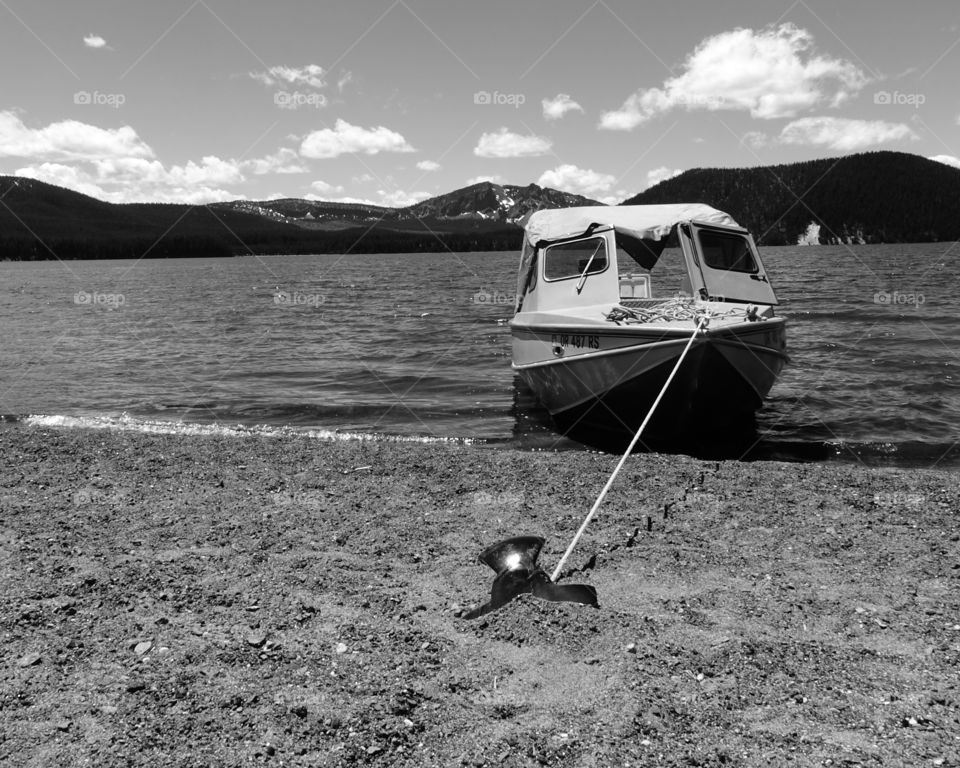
[876,197]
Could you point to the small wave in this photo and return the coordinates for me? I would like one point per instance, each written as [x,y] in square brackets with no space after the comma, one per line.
[127,423]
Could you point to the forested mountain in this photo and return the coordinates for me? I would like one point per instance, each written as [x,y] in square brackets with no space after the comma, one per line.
[42,221]
[866,198]
[876,197]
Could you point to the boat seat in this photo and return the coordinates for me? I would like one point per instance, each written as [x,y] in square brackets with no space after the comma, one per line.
[635,286]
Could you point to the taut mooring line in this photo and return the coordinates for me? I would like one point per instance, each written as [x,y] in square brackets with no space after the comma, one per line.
[701,323]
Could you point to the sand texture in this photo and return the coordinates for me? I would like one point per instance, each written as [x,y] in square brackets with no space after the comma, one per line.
[173,600]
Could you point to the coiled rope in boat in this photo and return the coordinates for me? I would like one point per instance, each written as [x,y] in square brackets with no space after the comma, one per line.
[671,310]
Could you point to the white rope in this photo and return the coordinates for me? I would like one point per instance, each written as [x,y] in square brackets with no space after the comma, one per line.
[701,323]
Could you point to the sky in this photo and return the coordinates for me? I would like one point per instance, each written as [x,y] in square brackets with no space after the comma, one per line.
[394,101]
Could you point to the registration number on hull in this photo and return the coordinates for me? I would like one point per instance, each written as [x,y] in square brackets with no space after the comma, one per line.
[575,340]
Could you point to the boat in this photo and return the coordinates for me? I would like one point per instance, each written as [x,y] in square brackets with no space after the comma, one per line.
[608,298]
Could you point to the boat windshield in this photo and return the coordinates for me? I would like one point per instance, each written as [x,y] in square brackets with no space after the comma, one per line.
[667,280]
[727,251]
[575,259]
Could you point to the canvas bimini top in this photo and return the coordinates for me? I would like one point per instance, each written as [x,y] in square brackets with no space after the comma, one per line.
[640,230]
[643,222]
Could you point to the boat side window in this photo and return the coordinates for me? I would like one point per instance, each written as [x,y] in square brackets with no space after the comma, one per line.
[726,251]
[567,260]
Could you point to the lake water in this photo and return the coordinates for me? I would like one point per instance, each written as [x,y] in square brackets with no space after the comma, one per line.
[416,346]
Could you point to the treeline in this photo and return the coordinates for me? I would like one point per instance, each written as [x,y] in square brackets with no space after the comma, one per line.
[876,197]
[72,248]
[18,247]
[39,221]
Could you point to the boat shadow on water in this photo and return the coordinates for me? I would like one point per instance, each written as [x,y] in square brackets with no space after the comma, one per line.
[730,437]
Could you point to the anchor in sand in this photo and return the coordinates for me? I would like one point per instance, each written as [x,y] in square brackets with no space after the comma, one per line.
[515,560]
[515,563]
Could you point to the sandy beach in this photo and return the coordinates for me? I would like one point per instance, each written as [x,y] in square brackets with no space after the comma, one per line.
[174,600]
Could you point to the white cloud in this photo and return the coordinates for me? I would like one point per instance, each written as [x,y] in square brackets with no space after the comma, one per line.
[396,199]
[210,170]
[347,199]
[282,161]
[770,73]
[428,165]
[663,173]
[755,139]
[67,140]
[401,199]
[310,76]
[323,188]
[947,160]
[351,139]
[94,41]
[126,180]
[504,143]
[558,106]
[579,181]
[63,176]
[843,134]
[343,80]
[494,179]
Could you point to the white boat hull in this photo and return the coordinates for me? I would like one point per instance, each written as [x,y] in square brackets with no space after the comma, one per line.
[601,381]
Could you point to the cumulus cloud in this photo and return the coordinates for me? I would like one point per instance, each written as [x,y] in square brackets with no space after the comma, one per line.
[428,165]
[755,139]
[843,134]
[116,164]
[94,41]
[345,138]
[770,73]
[62,175]
[134,179]
[284,161]
[400,199]
[395,199]
[494,179]
[558,106]
[663,173]
[505,143]
[67,140]
[323,188]
[310,76]
[947,160]
[579,181]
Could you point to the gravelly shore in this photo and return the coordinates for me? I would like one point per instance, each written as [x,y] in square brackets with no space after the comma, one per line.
[173,600]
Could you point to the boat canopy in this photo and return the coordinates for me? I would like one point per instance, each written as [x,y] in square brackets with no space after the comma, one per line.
[642,222]
[641,230]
